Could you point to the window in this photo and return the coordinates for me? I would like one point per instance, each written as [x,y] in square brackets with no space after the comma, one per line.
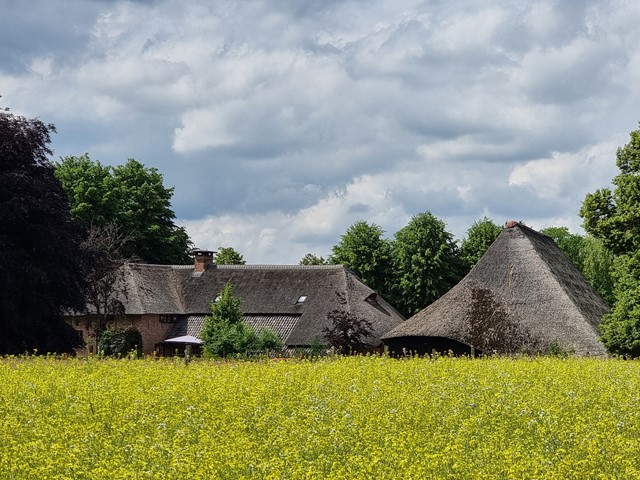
[167,318]
[301,299]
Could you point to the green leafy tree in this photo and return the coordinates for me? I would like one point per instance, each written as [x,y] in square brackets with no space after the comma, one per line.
[364,251]
[426,263]
[613,216]
[43,262]
[621,328]
[226,333]
[228,256]
[132,197]
[311,259]
[223,330]
[89,186]
[268,340]
[570,243]
[478,240]
[597,267]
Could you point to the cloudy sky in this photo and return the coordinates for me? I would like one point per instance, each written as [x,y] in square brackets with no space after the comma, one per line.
[280,123]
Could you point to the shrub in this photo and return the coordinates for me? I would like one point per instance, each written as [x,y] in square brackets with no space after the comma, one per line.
[269,340]
[318,349]
[347,332]
[120,342]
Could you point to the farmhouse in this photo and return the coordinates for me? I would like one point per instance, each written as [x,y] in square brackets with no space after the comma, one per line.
[524,295]
[168,303]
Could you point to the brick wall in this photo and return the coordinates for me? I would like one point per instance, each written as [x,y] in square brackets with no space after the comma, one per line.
[153,331]
[151,328]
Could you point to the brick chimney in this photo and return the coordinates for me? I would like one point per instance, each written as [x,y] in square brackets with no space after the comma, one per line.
[202,259]
[511,224]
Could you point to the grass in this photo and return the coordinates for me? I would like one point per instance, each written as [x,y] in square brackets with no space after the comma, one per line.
[358,417]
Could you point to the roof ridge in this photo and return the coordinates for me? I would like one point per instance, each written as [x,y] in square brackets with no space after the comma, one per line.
[245,266]
[527,229]
[156,265]
[567,285]
[526,289]
[280,267]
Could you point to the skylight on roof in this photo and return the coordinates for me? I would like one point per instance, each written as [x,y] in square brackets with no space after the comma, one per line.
[301,299]
[216,299]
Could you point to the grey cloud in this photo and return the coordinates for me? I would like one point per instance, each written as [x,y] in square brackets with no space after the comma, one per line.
[44,28]
[359,208]
[319,243]
[567,81]
[265,110]
[543,24]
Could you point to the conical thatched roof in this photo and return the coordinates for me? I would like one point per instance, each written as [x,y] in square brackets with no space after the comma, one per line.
[524,295]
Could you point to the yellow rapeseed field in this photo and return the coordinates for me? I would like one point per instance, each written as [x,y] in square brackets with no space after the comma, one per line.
[357,417]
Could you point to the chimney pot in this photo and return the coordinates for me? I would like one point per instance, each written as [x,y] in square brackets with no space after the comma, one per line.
[202,259]
[511,224]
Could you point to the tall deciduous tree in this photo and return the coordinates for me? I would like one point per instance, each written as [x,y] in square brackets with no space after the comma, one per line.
[597,267]
[107,286]
[479,238]
[614,218]
[364,251]
[132,197]
[621,327]
[90,188]
[42,261]
[229,256]
[426,263]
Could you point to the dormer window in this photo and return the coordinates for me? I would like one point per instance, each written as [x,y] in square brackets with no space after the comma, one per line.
[301,299]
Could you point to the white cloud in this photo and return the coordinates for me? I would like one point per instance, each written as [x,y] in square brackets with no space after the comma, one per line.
[42,66]
[453,33]
[281,123]
[553,176]
[201,129]
[464,147]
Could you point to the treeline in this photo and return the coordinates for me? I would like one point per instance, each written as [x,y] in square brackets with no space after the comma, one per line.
[413,269]
[66,229]
[422,261]
[613,216]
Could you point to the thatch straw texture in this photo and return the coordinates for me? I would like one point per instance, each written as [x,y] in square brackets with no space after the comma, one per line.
[524,295]
[267,292]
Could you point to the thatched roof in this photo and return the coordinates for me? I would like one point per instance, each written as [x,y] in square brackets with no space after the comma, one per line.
[270,295]
[523,295]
